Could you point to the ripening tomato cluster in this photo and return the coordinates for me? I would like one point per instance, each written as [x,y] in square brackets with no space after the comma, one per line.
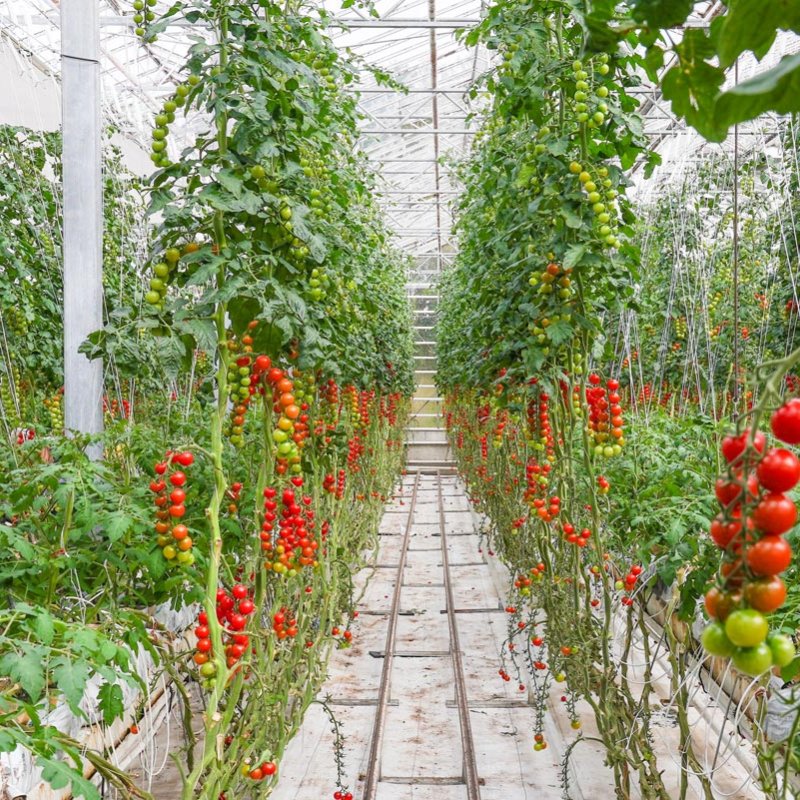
[233,610]
[579,538]
[749,530]
[536,478]
[603,486]
[605,416]
[284,624]
[233,497]
[628,584]
[539,425]
[499,428]
[295,546]
[173,536]
[54,406]
[547,511]
[335,486]
[116,410]
[355,449]
[265,770]
[340,795]
[25,435]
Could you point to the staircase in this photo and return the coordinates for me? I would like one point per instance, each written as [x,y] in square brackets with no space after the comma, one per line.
[426,443]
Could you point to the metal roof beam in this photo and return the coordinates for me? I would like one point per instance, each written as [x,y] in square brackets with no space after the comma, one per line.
[447,24]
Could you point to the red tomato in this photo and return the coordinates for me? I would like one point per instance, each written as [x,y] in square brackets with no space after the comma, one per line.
[770,555]
[766,595]
[723,532]
[734,446]
[776,513]
[730,491]
[785,422]
[779,470]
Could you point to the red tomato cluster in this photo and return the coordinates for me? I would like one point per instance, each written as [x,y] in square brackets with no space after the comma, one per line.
[25,435]
[749,530]
[233,610]
[295,546]
[265,770]
[539,424]
[579,538]
[115,409]
[355,449]
[547,511]
[605,416]
[628,584]
[603,485]
[536,478]
[233,496]
[284,624]
[173,536]
[339,795]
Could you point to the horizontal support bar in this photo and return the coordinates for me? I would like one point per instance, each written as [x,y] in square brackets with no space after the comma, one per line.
[445,90]
[418,131]
[449,24]
[111,21]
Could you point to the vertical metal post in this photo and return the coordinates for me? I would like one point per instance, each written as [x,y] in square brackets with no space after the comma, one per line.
[83,213]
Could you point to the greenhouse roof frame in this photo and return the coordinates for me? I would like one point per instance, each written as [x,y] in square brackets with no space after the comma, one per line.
[415,40]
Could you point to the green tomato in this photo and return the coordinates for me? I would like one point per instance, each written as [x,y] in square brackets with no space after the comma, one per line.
[716,642]
[746,627]
[753,661]
[208,670]
[152,297]
[782,649]
[161,270]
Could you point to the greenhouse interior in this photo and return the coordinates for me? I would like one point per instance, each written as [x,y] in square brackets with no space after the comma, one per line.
[389,397]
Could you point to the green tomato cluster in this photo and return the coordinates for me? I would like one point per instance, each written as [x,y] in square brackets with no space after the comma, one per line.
[744,637]
[142,14]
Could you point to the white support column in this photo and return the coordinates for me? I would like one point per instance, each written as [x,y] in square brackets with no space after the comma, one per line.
[83,213]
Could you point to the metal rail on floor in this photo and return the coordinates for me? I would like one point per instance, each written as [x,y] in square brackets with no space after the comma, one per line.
[470,765]
[374,761]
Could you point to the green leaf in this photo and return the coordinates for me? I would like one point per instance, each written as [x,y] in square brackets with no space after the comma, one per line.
[117,526]
[71,678]
[27,669]
[662,13]
[753,25]
[777,89]
[45,628]
[60,775]
[791,670]
[111,702]
[574,255]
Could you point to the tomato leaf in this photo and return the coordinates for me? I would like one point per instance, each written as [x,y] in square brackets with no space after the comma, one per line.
[791,671]
[111,702]
[71,678]
[753,25]
[27,669]
[45,628]
[60,775]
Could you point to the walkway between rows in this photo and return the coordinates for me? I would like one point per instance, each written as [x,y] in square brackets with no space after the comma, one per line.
[426,740]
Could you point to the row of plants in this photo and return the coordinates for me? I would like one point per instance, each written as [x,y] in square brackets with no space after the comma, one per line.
[258,382]
[602,514]
[679,344]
